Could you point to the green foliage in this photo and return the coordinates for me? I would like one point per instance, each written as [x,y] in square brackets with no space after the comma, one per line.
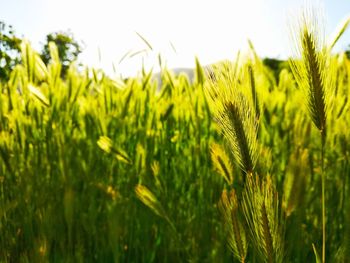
[94,169]
[72,152]
[276,65]
[9,50]
[68,49]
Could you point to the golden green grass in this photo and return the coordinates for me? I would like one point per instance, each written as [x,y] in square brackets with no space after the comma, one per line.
[222,169]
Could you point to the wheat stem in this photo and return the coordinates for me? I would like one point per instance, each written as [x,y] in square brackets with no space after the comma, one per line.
[323,179]
[314,76]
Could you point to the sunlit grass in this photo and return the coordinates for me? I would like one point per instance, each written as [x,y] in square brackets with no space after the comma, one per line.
[100,170]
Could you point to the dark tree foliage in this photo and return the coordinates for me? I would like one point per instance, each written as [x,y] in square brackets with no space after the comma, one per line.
[68,49]
[276,65]
[10,46]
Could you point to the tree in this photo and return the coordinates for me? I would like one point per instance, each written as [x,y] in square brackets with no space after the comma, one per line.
[68,49]
[10,49]
[276,65]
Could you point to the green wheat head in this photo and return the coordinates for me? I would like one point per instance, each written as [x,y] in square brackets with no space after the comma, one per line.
[312,68]
[221,162]
[261,209]
[149,199]
[237,239]
[235,115]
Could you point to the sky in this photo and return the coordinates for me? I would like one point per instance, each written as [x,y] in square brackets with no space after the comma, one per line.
[177,30]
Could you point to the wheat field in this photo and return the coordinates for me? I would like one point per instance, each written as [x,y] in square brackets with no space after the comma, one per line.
[238,165]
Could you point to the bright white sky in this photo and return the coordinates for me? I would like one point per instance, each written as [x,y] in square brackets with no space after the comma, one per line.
[210,29]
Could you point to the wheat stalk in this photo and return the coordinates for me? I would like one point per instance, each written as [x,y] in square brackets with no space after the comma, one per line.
[313,73]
